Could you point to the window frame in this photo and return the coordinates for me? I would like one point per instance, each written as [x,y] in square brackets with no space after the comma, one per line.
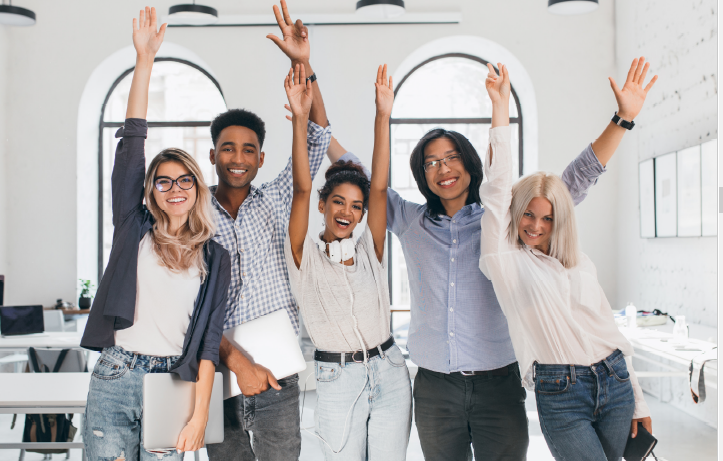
[420,121]
[102,124]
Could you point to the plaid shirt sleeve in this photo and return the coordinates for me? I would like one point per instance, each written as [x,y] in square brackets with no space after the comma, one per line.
[317,143]
[582,173]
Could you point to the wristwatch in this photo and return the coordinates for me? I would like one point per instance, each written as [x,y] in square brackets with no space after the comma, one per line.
[623,123]
[311,78]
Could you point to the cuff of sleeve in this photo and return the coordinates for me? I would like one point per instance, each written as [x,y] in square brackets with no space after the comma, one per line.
[500,134]
[137,127]
[349,157]
[589,163]
[315,131]
[210,355]
[641,410]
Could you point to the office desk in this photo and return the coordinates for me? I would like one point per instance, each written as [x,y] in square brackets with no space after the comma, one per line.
[52,339]
[43,393]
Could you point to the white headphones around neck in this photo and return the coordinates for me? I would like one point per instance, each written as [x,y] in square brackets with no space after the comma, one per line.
[339,251]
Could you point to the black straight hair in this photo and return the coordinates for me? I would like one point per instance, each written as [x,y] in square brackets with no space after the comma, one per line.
[470,159]
[238,117]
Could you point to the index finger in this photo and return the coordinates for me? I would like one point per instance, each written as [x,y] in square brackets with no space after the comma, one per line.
[631,72]
[492,72]
[641,79]
[287,16]
[379,74]
[384,75]
[279,19]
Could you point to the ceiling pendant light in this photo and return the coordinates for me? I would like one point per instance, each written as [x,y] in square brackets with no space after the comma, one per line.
[192,15]
[566,7]
[380,9]
[15,16]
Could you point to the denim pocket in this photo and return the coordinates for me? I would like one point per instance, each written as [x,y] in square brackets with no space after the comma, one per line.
[394,356]
[108,369]
[620,371]
[326,372]
[551,385]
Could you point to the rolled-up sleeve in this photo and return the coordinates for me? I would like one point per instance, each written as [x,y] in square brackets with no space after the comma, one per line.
[212,337]
[582,173]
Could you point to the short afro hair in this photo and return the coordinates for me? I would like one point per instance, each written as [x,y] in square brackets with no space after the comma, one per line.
[238,117]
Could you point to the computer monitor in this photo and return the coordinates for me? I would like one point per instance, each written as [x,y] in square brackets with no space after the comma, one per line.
[2,288]
[21,320]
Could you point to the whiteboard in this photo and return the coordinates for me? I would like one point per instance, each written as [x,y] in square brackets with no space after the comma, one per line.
[709,186]
[666,212]
[689,190]
[647,198]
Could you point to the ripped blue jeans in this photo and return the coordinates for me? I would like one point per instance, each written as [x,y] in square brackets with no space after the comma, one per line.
[115,401]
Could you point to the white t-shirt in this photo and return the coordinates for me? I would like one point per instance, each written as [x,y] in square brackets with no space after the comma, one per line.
[164,305]
[324,300]
[555,315]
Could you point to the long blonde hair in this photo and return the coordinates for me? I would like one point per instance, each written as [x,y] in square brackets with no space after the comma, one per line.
[563,239]
[184,250]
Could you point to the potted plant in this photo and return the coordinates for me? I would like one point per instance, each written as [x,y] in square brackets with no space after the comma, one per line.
[85,298]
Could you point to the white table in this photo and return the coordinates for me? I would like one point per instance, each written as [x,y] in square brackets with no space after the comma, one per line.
[52,339]
[43,393]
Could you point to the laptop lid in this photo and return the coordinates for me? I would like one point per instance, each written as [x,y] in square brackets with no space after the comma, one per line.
[21,320]
[270,341]
[168,404]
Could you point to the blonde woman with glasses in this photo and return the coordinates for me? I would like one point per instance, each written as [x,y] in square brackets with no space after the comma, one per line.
[569,349]
[161,303]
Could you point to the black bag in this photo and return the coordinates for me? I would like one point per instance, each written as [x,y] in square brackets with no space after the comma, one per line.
[48,428]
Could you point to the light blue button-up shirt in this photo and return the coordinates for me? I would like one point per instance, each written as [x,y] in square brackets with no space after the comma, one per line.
[457,323]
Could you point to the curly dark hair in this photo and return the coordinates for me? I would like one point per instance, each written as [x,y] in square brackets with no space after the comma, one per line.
[238,117]
[470,159]
[345,172]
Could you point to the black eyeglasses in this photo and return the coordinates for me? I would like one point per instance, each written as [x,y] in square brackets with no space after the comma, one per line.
[164,183]
[449,160]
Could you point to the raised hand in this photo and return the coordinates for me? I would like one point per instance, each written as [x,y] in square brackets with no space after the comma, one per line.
[147,38]
[384,92]
[299,91]
[295,44]
[632,96]
[498,86]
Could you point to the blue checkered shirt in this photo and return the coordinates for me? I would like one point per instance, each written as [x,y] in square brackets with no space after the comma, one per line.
[457,323]
[255,241]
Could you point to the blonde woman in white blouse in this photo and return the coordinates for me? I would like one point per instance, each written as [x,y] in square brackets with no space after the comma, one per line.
[569,349]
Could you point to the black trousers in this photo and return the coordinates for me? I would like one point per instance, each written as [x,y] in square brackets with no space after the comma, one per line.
[452,412]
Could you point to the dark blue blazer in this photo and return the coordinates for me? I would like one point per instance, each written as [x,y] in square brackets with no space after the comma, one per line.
[115,301]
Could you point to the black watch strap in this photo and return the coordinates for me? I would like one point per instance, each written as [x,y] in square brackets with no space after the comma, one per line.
[311,78]
[623,123]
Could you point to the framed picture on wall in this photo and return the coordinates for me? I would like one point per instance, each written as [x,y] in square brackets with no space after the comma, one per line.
[647,198]
[709,186]
[666,216]
[689,191]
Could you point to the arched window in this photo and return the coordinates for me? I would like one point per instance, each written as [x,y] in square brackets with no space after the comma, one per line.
[446,91]
[183,100]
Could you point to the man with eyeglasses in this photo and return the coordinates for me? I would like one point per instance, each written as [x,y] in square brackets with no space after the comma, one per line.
[467,391]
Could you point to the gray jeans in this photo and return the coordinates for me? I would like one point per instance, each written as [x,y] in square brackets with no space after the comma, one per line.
[272,417]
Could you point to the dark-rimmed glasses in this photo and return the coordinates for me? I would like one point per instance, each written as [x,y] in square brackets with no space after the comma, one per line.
[164,183]
[449,161]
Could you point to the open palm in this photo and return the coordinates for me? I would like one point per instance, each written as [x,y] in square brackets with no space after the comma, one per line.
[498,86]
[632,96]
[147,38]
[299,91]
[295,44]
[384,91]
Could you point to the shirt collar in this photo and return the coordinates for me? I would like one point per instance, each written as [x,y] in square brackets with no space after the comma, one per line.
[253,193]
[464,212]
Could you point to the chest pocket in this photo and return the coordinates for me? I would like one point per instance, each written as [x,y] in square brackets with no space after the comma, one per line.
[589,291]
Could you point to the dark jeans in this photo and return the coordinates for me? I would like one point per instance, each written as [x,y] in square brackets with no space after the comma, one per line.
[272,416]
[451,411]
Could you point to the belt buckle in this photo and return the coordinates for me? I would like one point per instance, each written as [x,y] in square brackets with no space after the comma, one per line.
[464,373]
[353,354]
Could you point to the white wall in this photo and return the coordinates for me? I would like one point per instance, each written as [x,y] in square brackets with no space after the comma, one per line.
[676,275]
[3,149]
[567,58]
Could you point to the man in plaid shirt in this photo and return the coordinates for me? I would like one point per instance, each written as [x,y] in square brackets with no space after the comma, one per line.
[252,223]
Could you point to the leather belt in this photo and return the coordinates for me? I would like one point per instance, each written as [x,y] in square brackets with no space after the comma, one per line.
[356,356]
[504,371]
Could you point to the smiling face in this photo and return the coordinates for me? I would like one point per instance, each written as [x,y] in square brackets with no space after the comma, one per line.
[342,211]
[237,156]
[447,181]
[176,202]
[535,228]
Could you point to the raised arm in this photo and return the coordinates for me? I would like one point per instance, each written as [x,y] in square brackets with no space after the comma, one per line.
[295,45]
[300,94]
[377,219]
[130,166]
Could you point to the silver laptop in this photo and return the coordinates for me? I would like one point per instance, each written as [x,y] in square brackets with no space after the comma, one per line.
[168,404]
[270,341]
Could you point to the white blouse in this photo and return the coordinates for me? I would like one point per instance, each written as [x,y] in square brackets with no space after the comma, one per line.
[555,315]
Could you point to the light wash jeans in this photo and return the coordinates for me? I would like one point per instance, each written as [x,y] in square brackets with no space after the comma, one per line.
[115,402]
[380,421]
[585,411]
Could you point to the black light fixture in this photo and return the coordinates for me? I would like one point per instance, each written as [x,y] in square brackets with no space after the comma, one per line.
[193,15]
[567,7]
[15,16]
[383,9]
